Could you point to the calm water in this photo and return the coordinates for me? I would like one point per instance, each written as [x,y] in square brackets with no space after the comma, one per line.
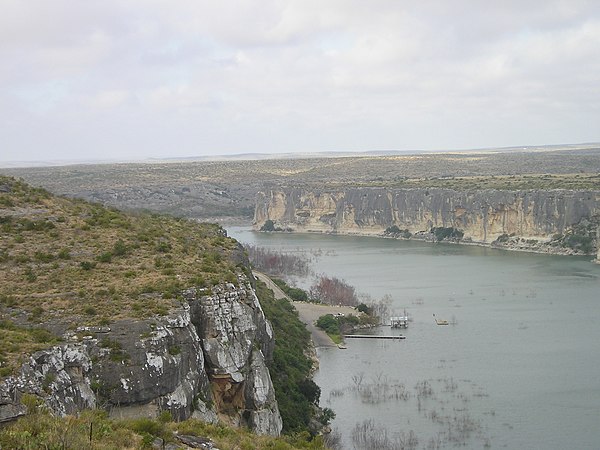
[520,368]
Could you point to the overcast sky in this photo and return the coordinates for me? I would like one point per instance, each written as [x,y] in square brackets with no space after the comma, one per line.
[148,78]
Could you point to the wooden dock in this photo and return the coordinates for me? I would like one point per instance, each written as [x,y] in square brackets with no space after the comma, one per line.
[373,336]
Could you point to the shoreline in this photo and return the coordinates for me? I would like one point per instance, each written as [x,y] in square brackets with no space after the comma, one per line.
[308,312]
[551,250]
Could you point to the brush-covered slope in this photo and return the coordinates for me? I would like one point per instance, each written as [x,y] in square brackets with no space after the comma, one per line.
[137,314]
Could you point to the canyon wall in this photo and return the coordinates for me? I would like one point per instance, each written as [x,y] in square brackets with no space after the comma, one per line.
[483,215]
[205,360]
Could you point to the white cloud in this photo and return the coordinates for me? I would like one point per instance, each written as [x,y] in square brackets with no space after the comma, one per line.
[283,75]
[110,99]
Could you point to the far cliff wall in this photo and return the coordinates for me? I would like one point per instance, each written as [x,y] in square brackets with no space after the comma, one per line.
[482,215]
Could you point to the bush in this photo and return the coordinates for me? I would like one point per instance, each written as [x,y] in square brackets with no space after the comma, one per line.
[448,233]
[329,324]
[119,249]
[105,257]
[295,294]
[392,230]
[502,238]
[269,225]
[579,242]
[395,231]
[87,265]
[364,309]
[44,257]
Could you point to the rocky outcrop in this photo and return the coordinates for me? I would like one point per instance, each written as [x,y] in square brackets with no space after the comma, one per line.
[483,216]
[205,360]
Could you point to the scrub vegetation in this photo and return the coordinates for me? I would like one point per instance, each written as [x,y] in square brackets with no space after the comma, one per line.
[218,189]
[93,264]
[291,370]
[93,430]
[68,263]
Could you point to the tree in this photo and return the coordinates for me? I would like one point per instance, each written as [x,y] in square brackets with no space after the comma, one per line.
[269,225]
[333,291]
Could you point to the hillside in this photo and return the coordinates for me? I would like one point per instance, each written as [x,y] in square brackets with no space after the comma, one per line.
[139,315]
[67,258]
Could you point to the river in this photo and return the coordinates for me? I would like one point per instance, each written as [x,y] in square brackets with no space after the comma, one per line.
[518,368]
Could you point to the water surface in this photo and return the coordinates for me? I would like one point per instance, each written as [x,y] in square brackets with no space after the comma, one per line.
[520,368]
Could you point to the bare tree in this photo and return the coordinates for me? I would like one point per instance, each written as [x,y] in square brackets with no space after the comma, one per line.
[278,263]
[333,291]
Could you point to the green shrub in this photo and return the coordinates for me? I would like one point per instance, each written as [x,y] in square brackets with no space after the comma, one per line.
[329,324]
[163,247]
[502,238]
[119,249]
[105,257]
[395,231]
[269,225]
[294,293]
[290,368]
[87,265]
[441,233]
[30,275]
[364,309]
[42,336]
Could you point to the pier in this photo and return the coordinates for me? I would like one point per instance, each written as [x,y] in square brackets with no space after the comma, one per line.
[373,336]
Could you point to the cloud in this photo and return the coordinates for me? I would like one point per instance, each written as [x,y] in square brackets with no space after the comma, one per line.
[200,76]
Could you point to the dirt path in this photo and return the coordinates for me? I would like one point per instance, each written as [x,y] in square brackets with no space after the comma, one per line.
[308,312]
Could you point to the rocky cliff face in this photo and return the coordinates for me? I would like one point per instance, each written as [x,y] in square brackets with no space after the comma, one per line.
[483,216]
[205,360]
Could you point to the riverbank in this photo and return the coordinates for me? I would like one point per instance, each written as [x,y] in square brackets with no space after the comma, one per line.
[308,312]
[515,244]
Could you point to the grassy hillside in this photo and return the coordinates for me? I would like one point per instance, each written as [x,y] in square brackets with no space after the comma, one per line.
[68,263]
[94,431]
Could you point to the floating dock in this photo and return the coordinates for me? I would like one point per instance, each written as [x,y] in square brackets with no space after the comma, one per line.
[373,336]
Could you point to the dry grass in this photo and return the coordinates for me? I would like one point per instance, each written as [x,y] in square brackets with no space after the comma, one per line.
[69,260]
[93,430]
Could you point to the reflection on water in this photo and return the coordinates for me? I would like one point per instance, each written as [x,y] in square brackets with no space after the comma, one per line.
[519,369]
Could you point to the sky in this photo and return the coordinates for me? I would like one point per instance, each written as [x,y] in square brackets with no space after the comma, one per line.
[136,79]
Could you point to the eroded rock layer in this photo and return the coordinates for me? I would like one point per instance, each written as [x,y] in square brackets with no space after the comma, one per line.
[483,215]
[205,360]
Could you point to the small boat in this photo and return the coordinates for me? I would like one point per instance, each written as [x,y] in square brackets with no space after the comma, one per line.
[440,321]
[399,321]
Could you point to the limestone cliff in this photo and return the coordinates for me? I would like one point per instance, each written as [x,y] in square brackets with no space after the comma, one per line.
[483,216]
[204,360]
